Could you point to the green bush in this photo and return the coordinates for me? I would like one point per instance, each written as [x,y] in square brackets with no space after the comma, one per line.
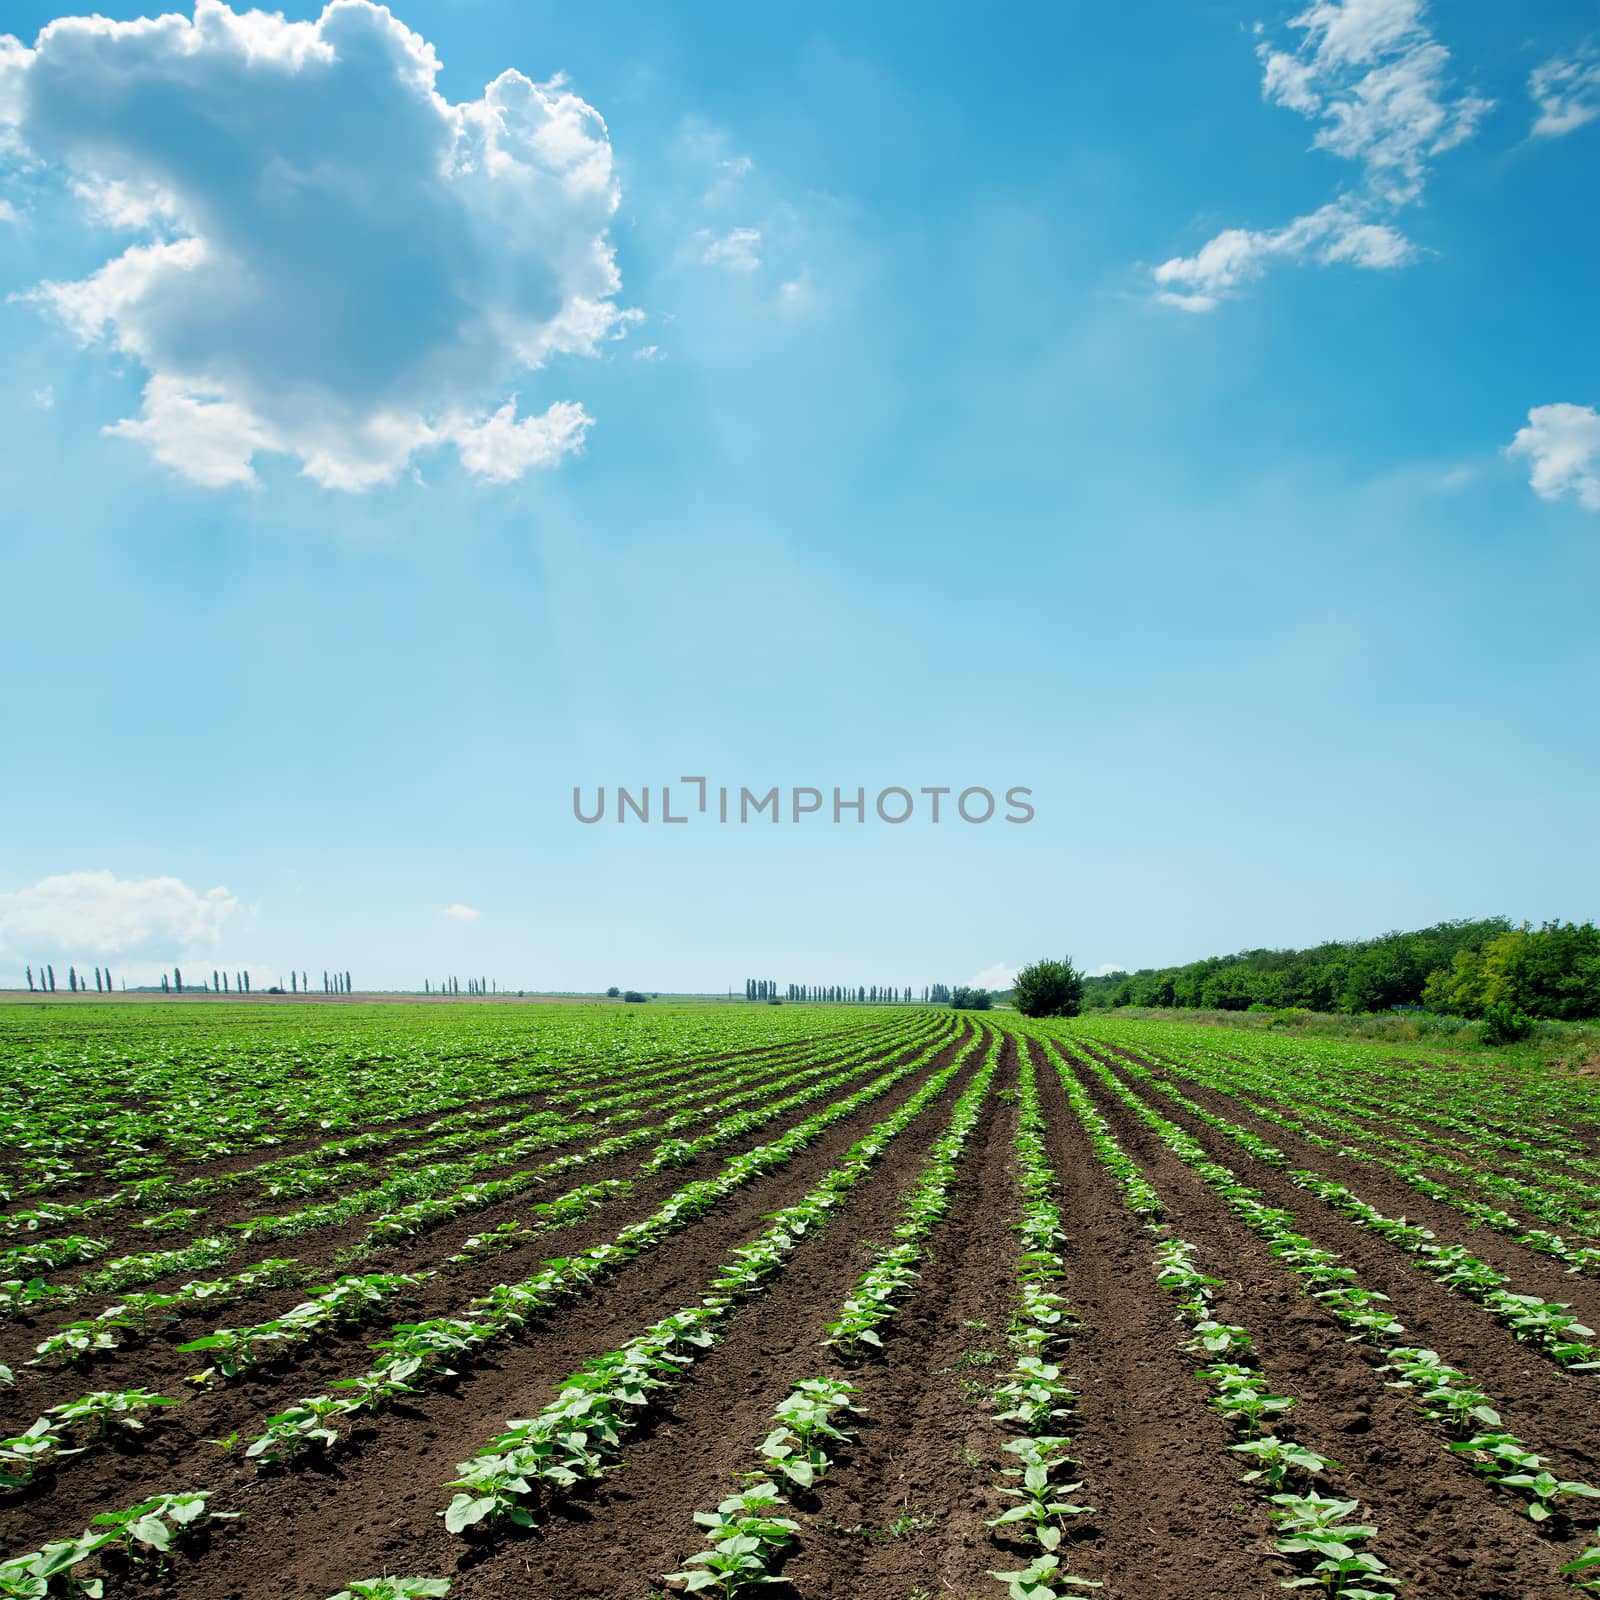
[1502,1025]
[634,997]
[1049,989]
[963,999]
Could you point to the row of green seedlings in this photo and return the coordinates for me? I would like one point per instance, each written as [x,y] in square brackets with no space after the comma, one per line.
[1311,1524]
[282,1180]
[1460,1124]
[104,1410]
[84,1341]
[433,1207]
[421,1354]
[128,1544]
[1577,1257]
[578,1436]
[356,1300]
[1551,1325]
[178,1113]
[749,1534]
[213,1250]
[1036,1395]
[1312,1527]
[394,1589]
[913,1031]
[1442,1393]
[139,1314]
[71,1428]
[679,1207]
[893,1270]
[464,1128]
[1475,1104]
[429,1209]
[1572,1209]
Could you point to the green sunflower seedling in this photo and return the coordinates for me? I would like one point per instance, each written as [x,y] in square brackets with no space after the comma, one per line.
[1281,1458]
[1041,1579]
[105,1410]
[1542,1489]
[394,1589]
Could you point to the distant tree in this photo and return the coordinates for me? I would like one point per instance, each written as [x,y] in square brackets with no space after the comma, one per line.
[216,981]
[294,982]
[177,980]
[965,999]
[1048,989]
[247,980]
[633,997]
[613,992]
[164,985]
[30,977]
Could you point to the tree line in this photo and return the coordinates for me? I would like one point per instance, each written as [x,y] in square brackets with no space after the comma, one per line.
[875,994]
[1461,968]
[46,981]
[222,982]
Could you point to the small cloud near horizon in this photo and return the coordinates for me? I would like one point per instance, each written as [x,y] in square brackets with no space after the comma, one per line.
[999,976]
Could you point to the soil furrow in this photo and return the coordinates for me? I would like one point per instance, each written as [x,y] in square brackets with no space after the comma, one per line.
[413,1449]
[1442,1529]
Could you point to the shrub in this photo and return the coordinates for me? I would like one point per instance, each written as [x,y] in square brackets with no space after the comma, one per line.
[634,997]
[1049,989]
[964,999]
[1502,1025]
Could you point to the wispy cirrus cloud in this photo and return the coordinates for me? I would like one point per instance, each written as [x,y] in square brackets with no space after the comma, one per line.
[461,913]
[1376,83]
[1566,92]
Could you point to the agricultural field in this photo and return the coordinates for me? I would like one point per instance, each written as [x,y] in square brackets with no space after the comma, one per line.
[866,1303]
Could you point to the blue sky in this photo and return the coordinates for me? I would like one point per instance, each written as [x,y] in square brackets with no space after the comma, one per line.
[1195,425]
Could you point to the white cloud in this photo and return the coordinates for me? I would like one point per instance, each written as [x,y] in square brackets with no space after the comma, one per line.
[9,213]
[1238,255]
[1376,82]
[44,399]
[999,976]
[461,913]
[503,447]
[797,297]
[337,264]
[1563,444]
[1566,92]
[98,914]
[649,352]
[1106,968]
[14,59]
[739,250]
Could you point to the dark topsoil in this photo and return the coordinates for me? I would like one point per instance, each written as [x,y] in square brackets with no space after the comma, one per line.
[370,1508]
[1442,1528]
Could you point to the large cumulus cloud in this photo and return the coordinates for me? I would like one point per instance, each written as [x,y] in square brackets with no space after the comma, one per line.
[331,261]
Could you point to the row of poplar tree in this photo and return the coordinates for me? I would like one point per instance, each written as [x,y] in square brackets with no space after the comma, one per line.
[860,993]
[221,982]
